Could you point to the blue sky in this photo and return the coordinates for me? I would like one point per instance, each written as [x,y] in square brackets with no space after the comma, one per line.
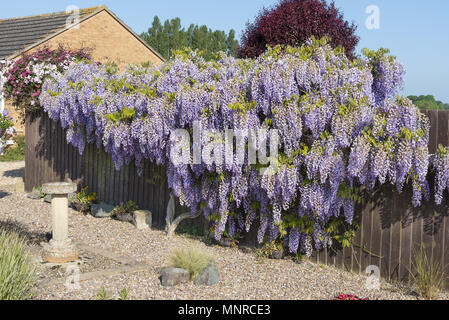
[417,32]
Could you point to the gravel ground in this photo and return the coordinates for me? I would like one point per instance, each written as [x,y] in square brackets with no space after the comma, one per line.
[11,172]
[242,277]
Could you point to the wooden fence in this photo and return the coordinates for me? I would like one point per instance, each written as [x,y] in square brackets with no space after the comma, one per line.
[48,158]
[390,229]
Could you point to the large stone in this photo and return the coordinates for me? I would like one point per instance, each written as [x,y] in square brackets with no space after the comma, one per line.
[102,210]
[209,276]
[171,277]
[47,198]
[34,195]
[143,219]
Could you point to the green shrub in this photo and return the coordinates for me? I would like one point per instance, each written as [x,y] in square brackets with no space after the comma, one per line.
[191,259]
[428,277]
[128,207]
[17,272]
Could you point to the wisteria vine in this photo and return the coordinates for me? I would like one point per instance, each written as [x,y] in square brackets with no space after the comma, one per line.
[341,127]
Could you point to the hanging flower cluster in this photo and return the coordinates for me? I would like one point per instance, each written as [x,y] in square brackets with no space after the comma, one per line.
[23,78]
[340,124]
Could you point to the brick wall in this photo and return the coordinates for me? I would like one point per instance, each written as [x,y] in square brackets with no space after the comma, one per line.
[109,40]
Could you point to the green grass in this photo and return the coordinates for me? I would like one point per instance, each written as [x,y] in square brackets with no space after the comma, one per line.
[16,153]
[191,259]
[17,272]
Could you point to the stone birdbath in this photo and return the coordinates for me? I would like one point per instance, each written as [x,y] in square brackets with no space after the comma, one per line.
[60,249]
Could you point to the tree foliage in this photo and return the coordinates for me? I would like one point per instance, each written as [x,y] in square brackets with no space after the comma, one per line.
[292,22]
[428,103]
[171,36]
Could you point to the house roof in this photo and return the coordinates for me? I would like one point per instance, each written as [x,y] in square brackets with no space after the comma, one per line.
[18,35]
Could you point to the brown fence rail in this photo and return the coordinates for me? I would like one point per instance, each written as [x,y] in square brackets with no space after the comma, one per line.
[390,229]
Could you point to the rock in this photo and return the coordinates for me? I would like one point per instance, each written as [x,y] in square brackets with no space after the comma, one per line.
[83,208]
[209,276]
[124,217]
[227,242]
[102,210]
[143,219]
[277,254]
[47,198]
[171,277]
[34,195]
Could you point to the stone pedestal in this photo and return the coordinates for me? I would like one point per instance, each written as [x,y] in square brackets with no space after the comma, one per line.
[60,249]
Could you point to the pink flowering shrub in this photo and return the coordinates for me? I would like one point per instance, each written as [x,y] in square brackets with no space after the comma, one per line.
[25,76]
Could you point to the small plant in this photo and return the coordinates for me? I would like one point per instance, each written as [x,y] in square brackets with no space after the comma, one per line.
[17,272]
[39,189]
[84,200]
[348,297]
[299,258]
[123,294]
[272,250]
[104,295]
[428,276]
[124,212]
[192,259]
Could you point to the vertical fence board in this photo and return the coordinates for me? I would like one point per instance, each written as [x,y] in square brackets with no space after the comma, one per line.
[366,236]
[376,236]
[406,239]
[386,208]
[358,241]
[445,248]
[396,231]
[433,139]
